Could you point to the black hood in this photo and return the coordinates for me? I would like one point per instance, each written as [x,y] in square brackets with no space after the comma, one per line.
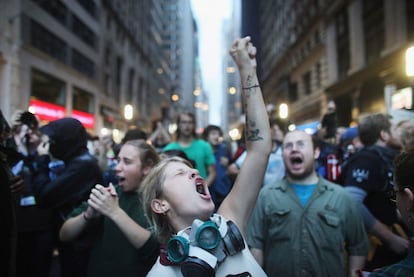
[68,138]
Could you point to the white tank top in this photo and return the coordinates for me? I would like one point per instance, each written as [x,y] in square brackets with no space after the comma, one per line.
[241,264]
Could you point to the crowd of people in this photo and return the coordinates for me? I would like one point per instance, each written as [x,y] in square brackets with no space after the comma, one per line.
[286,203]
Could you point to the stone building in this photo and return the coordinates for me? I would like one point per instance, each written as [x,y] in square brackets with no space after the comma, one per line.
[90,58]
[349,51]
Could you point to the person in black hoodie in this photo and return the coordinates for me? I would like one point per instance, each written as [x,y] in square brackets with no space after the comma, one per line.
[66,140]
[368,175]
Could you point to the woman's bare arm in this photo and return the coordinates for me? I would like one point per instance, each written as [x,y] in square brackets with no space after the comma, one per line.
[239,203]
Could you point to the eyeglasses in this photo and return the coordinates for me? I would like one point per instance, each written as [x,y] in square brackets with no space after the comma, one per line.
[392,194]
[300,144]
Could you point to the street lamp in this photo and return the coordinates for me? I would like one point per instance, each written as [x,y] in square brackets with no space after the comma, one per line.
[409,61]
[175,97]
[283,111]
[128,112]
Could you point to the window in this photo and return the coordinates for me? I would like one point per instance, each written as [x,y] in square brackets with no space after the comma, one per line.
[83,32]
[307,83]
[342,43]
[54,8]
[373,25]
[318,77]
[118,79]
[82,64]
[90,7]
[130,92]
[293,92]
[83,100]
[409,4]
[108,84]
[47,88]
[47,42]
[107,56]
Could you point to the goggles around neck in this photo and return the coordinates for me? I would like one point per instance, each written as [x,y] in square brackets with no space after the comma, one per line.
[216,236]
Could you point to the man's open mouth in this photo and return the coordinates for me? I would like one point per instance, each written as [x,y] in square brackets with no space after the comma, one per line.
[296,160]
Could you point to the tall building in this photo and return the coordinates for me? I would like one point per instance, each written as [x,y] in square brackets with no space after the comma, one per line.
[90,58]
[233,108]
[350,51]
[182,44]
[366,45]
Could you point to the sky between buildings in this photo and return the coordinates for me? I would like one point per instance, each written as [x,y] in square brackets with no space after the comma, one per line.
[209,15]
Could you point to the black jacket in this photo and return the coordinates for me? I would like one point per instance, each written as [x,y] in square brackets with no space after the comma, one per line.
[68,141]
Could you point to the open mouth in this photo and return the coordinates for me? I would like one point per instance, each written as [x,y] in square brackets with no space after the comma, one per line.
[296,160]
[200,186]
[121,179]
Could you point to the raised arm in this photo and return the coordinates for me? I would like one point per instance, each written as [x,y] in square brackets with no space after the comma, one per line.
[239,203]
[160,131]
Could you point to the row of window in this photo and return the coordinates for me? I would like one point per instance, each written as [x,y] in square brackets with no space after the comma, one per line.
[374,34]
[48,97]
[48,88]
[373,24]
[308,86]
[52,45]
[62,14]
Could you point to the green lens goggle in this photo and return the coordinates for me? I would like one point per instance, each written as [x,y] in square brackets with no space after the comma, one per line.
[207,236]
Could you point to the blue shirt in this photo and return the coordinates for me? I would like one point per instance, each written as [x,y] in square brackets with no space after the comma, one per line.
[303,192]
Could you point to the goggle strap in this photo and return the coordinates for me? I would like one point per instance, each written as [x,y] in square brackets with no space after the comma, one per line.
[204,255]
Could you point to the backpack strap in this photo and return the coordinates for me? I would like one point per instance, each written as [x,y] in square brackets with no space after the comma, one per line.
[387,168]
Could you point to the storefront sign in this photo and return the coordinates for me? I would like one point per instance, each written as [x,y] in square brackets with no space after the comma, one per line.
[87,119]
[46,111]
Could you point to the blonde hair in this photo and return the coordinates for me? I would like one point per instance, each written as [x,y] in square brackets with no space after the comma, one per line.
[152,188]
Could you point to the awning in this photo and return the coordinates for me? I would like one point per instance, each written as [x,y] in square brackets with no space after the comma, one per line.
[309,128]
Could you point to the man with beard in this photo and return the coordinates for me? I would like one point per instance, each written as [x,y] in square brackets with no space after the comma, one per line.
[195,148]
[305,225]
